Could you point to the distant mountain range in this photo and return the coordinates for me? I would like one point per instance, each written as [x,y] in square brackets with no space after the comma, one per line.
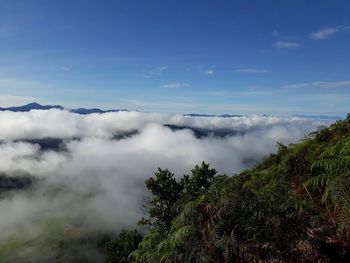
[202,133]
[211,115]
[37,106]
[32,106]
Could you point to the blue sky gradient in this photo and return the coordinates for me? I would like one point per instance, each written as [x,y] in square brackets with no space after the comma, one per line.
[238,57]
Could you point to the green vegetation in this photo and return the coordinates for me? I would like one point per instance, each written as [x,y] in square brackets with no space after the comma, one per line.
[293,207]
[119,248]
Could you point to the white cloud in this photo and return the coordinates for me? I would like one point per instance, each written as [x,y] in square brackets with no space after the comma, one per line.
[286,44]
[251,70]
[154,72]
[320,85]
[98,181]
[41,124]
[327,32]
[175,85]
[209,72]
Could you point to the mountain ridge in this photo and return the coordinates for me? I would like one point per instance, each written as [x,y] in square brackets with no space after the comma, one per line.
[37,106]
[85,111]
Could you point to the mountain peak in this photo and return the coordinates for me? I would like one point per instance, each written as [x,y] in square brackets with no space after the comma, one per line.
[33,104]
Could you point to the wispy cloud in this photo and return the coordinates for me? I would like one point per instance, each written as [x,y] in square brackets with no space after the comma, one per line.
[319,85]
[251,70]
[175,85]
[226,94]
[63,68]
[286,44]
[327,32]
[153,72]
[209,72]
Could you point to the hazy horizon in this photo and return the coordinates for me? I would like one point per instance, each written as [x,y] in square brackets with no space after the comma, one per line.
[204,114]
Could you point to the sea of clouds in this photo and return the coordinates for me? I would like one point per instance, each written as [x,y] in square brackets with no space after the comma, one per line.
[98,180]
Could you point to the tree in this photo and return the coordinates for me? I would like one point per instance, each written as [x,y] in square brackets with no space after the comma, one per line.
[118,249]
[199,182]
[166,191]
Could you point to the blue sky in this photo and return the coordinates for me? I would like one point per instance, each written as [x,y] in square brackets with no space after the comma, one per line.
[239,57]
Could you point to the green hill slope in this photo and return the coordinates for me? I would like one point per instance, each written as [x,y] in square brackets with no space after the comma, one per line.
[293,207]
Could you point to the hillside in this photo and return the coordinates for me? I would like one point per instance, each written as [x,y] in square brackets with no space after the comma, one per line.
[293,207]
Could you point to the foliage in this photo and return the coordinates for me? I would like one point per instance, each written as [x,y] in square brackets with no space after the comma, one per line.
[119,248]
[199,182]
[293,207]
[165,191]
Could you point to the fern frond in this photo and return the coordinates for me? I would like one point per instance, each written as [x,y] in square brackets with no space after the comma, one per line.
[318,181]
[181,236]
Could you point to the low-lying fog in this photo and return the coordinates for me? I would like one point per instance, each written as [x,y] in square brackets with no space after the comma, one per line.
[94,171]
